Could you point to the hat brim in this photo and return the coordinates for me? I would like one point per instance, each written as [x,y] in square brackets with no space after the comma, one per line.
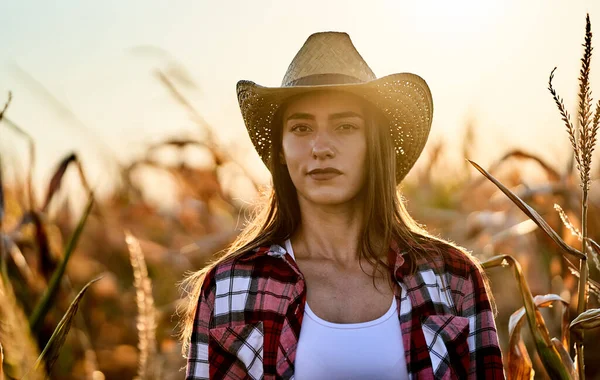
[404,99]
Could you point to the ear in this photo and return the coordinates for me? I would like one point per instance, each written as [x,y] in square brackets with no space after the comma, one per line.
[281,158]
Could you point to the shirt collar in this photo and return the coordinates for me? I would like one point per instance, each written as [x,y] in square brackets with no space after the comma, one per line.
[401,262]
[271,250]
[397,258]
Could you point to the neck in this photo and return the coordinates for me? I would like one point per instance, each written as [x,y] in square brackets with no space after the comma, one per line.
[329,232]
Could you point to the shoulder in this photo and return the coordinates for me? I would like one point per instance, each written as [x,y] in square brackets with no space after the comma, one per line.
[258,260]
[459,261]
[461,274]
[248,269]
[449,259]
[245,286]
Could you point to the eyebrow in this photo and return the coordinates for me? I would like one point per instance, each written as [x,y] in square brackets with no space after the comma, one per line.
[339,115]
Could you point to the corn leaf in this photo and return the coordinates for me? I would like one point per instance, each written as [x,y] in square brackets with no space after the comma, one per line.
[588,320]
[41,309]
[52,349]
[1,194]
[56,180]
[3,269]
[519,362]
[1,362]
[18,259]
[31,145]
[548,353]
[595,246]
[47,262]
[20,350]
[531,213]
[594,286]
[546,301]
[566,358]
[6,105]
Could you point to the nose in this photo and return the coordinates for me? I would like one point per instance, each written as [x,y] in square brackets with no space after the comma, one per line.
[322,147]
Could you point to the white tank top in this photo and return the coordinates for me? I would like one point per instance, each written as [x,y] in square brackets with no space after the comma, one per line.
[366,350]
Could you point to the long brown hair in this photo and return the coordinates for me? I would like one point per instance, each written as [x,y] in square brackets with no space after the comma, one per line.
[385,216]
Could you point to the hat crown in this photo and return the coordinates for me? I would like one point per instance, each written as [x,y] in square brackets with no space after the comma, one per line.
[327,58]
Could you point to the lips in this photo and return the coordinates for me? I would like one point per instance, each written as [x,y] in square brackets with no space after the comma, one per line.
[323,174]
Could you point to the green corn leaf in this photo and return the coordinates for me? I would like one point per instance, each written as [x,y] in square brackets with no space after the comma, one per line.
[47,262]
[52,349]
[41,309]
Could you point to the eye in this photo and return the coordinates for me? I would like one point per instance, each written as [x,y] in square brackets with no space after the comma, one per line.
[347,126]
[301,128]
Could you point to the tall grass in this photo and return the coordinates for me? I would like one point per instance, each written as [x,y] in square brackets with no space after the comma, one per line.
[146,320]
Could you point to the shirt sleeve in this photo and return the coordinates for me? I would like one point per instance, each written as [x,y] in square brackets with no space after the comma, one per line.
[197,358]
[485,353]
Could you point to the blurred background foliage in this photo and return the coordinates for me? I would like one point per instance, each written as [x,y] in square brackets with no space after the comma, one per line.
[126,321]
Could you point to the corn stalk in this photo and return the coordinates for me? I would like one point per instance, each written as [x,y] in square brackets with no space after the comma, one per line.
[583,139]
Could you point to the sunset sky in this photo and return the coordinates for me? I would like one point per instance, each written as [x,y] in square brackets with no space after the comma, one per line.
[487,62]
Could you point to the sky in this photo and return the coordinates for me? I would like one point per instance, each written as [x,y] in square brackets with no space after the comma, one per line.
[83,74]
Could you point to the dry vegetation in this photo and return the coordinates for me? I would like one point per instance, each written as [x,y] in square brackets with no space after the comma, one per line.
[125,326]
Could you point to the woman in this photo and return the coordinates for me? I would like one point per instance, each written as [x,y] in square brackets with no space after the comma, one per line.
[293,296]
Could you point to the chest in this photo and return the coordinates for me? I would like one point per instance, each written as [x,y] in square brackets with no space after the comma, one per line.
[271,331]
[346,296]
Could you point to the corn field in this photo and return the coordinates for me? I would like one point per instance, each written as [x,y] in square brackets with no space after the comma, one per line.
[93,293]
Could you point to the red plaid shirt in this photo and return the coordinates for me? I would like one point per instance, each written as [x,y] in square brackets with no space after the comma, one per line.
[250,313]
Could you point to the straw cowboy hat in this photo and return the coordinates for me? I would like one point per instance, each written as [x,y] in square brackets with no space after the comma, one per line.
[329,61]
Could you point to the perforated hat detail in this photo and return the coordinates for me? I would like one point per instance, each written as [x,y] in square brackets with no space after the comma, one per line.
[329,61]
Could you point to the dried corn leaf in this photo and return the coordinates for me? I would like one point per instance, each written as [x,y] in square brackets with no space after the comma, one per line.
[3,269]
[591,251]
[594,286]
[31,146]
[518,154]
[56,180]
[548,353]
[588,320]
[19,260]
[1,194]
[531,213]
[519,362]
[566,358]
[20,349]
[595,246]
[1,362]
[546,301]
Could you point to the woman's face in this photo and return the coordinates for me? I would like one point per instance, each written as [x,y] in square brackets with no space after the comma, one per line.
[324,146]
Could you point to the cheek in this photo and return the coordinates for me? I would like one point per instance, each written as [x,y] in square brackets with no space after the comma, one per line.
[359,151]
[291,150]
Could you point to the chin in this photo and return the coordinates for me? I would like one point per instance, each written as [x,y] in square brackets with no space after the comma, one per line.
[329,197]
